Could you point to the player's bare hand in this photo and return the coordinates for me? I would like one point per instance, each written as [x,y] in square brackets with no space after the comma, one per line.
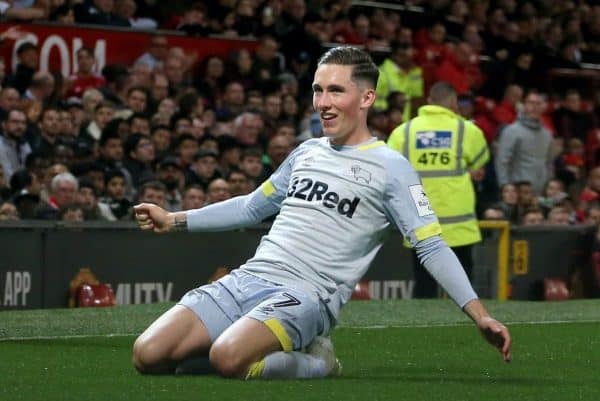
[496,334]
[153,217]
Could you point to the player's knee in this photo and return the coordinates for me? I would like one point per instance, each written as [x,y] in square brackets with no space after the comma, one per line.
[146,355]
[227,361]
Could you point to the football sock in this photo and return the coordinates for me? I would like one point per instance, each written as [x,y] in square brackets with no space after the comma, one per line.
[288,365]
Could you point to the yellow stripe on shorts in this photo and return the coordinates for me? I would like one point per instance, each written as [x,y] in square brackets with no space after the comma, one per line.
[280,333]
[267,188]
[428,231]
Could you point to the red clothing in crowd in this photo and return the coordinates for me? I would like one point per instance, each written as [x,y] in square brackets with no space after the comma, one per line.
[504,113]
[456,75]
[80,83]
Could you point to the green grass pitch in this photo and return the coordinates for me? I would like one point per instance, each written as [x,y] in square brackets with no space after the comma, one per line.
[391,350]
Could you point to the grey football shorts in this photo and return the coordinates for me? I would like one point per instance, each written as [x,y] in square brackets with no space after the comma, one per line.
[292,315]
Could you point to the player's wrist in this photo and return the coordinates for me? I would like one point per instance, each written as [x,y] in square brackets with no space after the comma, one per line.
[178,221]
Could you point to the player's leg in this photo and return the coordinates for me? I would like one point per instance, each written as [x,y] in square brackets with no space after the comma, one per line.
[261,344]
[175,335]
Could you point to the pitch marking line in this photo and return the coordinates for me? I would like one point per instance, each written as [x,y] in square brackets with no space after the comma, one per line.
[372,327]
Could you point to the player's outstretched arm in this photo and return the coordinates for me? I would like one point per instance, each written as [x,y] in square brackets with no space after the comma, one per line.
[153,217]
[492,330]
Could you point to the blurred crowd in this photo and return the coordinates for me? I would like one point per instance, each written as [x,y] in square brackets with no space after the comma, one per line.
[183,133]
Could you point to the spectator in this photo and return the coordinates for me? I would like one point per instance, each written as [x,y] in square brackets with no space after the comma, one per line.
[161,138]
[591,192]
[532,217]
[13,147]
[460,68]
[552,194]
[592,214]
[267,63]
[99,12]
[171,175]
[251,165]
[12,13]
[233,101]
[238,183]
[114,195]
[505,112]
[28,59]
[558,215]
[137,99]
[229,153]
[194,197]
[153,192]
[85,77]
[570,120]
[49,130]
[26,189]
[126,11]
[204,169]
[72,212]
[40,89]
[4,188]
[157,52]
[139,124]
[103,113]
[139,155]
[63,190]
[247,129]
[8,211]
[494,213]
[9,100]
[218,191]
[186,147]
[278,148]
[88,200]
[399,73]
[524,147]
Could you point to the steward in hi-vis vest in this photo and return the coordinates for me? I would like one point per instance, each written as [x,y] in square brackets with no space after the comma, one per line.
[444,148]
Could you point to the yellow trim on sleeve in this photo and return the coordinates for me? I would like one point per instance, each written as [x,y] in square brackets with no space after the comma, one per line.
[280,333]
[371,145]
[267,188]
[427,231]
[255,370]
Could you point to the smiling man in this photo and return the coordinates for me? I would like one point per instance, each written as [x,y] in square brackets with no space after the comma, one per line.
[271,317]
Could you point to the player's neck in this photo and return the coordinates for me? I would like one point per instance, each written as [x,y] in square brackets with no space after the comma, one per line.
[353,139]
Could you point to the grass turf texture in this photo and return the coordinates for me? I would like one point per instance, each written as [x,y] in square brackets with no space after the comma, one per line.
[387,353]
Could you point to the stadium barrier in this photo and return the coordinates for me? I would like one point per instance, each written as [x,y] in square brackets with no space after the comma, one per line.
[41,263]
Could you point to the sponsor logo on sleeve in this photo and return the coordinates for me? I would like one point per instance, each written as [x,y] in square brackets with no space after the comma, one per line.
[420,199]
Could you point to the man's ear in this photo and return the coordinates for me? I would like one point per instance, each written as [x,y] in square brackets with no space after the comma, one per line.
[368,98]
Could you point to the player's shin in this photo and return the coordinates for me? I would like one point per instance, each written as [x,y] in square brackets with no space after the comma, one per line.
[288,365]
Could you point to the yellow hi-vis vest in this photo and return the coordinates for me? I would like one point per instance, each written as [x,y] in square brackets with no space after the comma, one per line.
[443,148]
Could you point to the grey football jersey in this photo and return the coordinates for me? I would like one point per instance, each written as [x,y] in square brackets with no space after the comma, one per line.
[336,206]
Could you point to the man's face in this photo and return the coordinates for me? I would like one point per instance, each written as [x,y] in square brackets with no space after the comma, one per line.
[162,139]
[532,219]
[86,198]
[144,151]
[218,191]
[140,126]
[113,149]
[159,47]
[115,188]
[85,61]
[205,166]
[593,216]
[279,148]
[594,179]
[160,87]
[9,99]
[64,193]
[534,106]
[103,115]
[15,125]
[234,94]
[30,58]
[154,196]
[273,107]
[338,100]
[137,101]
[247,133]
[187,150]
[252,166]
[526,195]
[50,124]
[238,184]
[193,198]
